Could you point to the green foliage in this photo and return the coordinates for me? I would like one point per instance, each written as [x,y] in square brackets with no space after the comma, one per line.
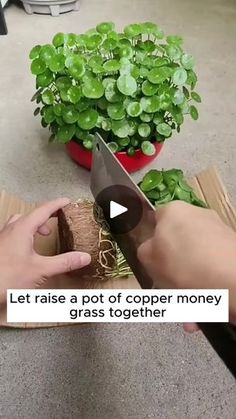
[162,187]
[135,87]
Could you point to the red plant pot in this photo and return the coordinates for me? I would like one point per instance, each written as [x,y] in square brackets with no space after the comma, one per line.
[131,163]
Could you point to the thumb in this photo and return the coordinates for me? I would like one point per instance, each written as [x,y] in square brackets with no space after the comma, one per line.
[65,262]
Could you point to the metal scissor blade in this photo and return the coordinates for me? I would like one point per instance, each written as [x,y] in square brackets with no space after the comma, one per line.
[108,174]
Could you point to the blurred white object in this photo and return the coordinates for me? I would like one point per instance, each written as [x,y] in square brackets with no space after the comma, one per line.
[50,7]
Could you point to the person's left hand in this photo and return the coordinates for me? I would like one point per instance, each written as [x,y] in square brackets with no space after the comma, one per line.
[20,265]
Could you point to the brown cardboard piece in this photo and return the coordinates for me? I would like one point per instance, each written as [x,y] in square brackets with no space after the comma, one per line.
[207,185]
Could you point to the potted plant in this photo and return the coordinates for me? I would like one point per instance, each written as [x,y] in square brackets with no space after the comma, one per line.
[134,87]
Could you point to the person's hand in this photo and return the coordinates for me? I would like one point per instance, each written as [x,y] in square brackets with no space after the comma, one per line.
[191,248]
[20,265]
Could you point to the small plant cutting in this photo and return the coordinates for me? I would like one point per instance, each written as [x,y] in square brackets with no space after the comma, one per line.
[162,187]
[134,87]
[80,227]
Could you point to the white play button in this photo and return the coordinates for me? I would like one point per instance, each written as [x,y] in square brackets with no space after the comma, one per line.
[116,209]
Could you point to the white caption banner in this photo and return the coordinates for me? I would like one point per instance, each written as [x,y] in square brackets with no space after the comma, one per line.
[101,306]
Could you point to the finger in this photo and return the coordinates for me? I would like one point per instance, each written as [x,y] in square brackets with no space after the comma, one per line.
[145,251]
[64,263]
[13,218]
[40,215]
[44,230]
[190,327]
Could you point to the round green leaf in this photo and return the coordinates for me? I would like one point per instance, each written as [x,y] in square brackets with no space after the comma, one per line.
[106,124]
[194,112]
[65,133]
[111,65]
[124,42]
[126,52]
[148,148]
[93,89]
[88,141]
[178,116]
[47,52]
[131,151]
[48,114]
[149,89]
[135,72]
[173,51]
[144,72]
[187,61]
[70,40]
[182,195]
[179,77]
[116,111]
[57,63]
[146,117]
[164,129]
[134,109]
[109,44]
[134,142]
[102,103]
[148,46]
[93,41]
[149,28]
[144,130]
[195,96]
[192,79]
[105,27]
[95,61]
[59,120]
[123,142]
[63,83]
[127,85]
[160,74]
[88,76]
[83,104]
[151,180]
[88,119]
[176,40]
[48,97]
[125,66]
[58,39]
[45,78]
[113,147]
[113,35]
[74,94]
[38,66]
[112,94]
[64,95]
[133,30]
[108,81]
[165,100]
[34,53]
[158,119]
[58,108]
[160,62]
[178,97]
[70,114]
[121,128]
[75,65]
[150,104]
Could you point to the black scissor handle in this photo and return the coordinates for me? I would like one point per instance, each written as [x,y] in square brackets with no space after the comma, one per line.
[222,337]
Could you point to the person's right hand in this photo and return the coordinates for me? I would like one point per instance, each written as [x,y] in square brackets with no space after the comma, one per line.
[191,248]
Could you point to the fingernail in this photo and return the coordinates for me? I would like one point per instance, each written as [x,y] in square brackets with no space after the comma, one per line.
[85,259]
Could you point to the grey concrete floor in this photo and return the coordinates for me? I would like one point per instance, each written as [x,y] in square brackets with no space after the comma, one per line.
[115,371]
